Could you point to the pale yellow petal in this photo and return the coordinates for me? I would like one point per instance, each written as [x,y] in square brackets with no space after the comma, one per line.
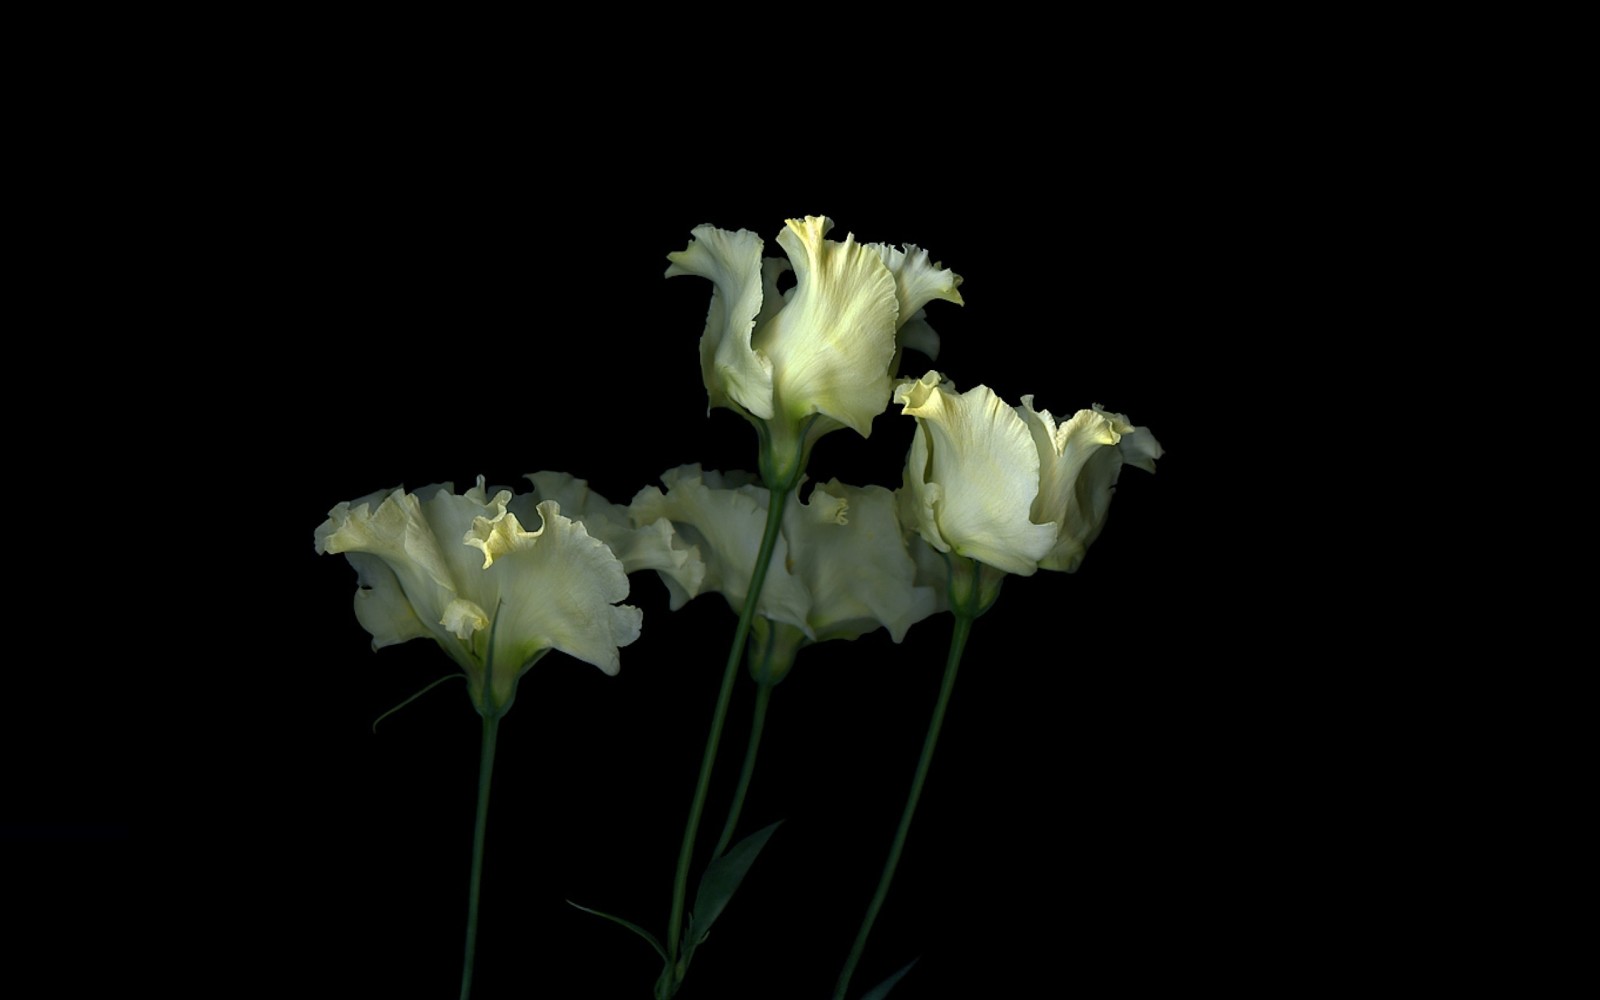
[982,457]
[917,335]
[1081,461]
[725,524]
[918,279]
[1139,447]
[850,552]
[735,374]
[833,341]
[653,546]
[918,496]
[554,588]
[933,568]
[772,268]
[451,516]
[461,569]
[395,531]
[1063,451]
[464,619]
[381,604]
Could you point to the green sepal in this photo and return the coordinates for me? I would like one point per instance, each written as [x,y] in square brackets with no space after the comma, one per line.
[771,649]
[722,878]
[785,448]
[881,990]
[974,586]
[630,925]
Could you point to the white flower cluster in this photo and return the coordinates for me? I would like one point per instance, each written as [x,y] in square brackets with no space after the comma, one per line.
[1004,486]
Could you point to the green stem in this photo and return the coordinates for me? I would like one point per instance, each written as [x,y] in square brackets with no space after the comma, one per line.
[958,641]
[758,721]
[680,881]
[491,728]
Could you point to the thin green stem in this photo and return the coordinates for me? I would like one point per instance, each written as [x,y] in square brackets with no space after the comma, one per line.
[758,721]
[491,728]
[680,881]
[958,641]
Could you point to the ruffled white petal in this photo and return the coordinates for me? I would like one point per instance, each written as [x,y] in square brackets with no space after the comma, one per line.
[381,605]
[980,456]
[577,501]
[1063,451]
[840,567]
[933,568]
[464,619]
[395,531]
[1064,454]
[734,373]
[822,354]
[1080,463]
[451,517]
[1139,447]
[850,553]
[551,588]
[653,546]
[918,279]
[772,268]
[917,335]
[833,341]
[724,516]
[918,495]
[461,569]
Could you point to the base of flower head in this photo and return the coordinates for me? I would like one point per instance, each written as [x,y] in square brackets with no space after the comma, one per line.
[786,449]
[974,586]
[772,649]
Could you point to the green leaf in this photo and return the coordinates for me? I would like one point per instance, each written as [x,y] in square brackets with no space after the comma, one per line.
[881,990]
[630,925]
[723,876]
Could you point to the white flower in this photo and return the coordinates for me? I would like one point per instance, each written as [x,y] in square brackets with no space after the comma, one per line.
[819,357]
[463,571]
[650,546]
[1006,486]
[840,567]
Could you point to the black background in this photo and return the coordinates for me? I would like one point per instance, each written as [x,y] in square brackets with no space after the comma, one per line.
[387,314]
[1067,800]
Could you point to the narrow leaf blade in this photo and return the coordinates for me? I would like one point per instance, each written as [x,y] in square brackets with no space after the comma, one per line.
[722,877]
[881,990]
[630,925]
